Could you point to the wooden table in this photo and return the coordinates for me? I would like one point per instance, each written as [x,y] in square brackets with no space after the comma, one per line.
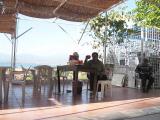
[3,90]
[76,69]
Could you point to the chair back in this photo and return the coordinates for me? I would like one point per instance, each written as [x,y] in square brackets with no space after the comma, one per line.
[26,71]
[44,72]
[20,75]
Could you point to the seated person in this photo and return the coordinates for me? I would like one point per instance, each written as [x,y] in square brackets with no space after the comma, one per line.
[96,64]
[74,59]
[145,72]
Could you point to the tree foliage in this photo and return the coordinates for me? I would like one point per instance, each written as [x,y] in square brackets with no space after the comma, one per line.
[147,13]
[110,28]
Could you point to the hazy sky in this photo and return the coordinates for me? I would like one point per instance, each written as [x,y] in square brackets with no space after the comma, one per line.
[47,41]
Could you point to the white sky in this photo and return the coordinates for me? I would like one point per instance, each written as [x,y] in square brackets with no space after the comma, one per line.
[48,41]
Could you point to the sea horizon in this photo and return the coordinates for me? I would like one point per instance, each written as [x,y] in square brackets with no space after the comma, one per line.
[25,65]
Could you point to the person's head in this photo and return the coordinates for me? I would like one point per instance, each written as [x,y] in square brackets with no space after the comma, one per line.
[76,55]
[145,60]
[95,56]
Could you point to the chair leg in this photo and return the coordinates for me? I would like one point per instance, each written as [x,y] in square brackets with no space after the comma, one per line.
[40,86]
[105,89]
[51,86]
[45,85]
[87,83]
[97,90]
[55,84]
[23,92]
[109,85]
[63,83]
[111,89]
[102,90]
[6,91]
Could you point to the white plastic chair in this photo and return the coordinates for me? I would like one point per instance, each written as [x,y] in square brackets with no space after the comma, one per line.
[19,78]
[104,85]
[44,78]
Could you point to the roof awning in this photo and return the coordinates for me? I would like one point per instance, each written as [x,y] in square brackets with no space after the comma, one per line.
[7,23]
[71,10]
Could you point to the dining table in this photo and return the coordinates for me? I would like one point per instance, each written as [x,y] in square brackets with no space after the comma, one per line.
[76,69]
[4,85]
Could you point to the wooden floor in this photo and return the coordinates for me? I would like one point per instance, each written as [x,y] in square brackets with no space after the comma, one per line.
[41,106]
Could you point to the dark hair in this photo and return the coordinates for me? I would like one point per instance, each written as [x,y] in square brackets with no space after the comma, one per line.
[145,60]
[94,53]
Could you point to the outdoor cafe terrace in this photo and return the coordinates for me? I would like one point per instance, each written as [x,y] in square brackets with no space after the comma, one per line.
[39,96]
[51,104]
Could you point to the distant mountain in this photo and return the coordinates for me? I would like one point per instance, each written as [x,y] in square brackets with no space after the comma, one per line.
[27,59]
[34,59]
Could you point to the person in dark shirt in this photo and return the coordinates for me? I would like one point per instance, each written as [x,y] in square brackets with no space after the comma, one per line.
[145,73]
[95,63]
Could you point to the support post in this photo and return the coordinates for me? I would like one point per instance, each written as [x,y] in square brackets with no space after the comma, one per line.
[105,40]
[142,43]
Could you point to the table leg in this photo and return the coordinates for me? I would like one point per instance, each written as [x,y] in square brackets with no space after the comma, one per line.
[59,86]
[0,86]
[75,81]
[34,79]
[94,85]
[5,87]
[6,90]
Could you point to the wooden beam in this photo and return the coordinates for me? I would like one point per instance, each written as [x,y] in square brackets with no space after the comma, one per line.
[7,27]
[81,3]
[5,17]
[10,3]
[94,4]
[7,30]
[59,6]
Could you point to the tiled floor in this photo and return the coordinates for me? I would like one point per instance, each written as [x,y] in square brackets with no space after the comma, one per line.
[123,103]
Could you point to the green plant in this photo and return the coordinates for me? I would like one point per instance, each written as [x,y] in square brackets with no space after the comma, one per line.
[147,13]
